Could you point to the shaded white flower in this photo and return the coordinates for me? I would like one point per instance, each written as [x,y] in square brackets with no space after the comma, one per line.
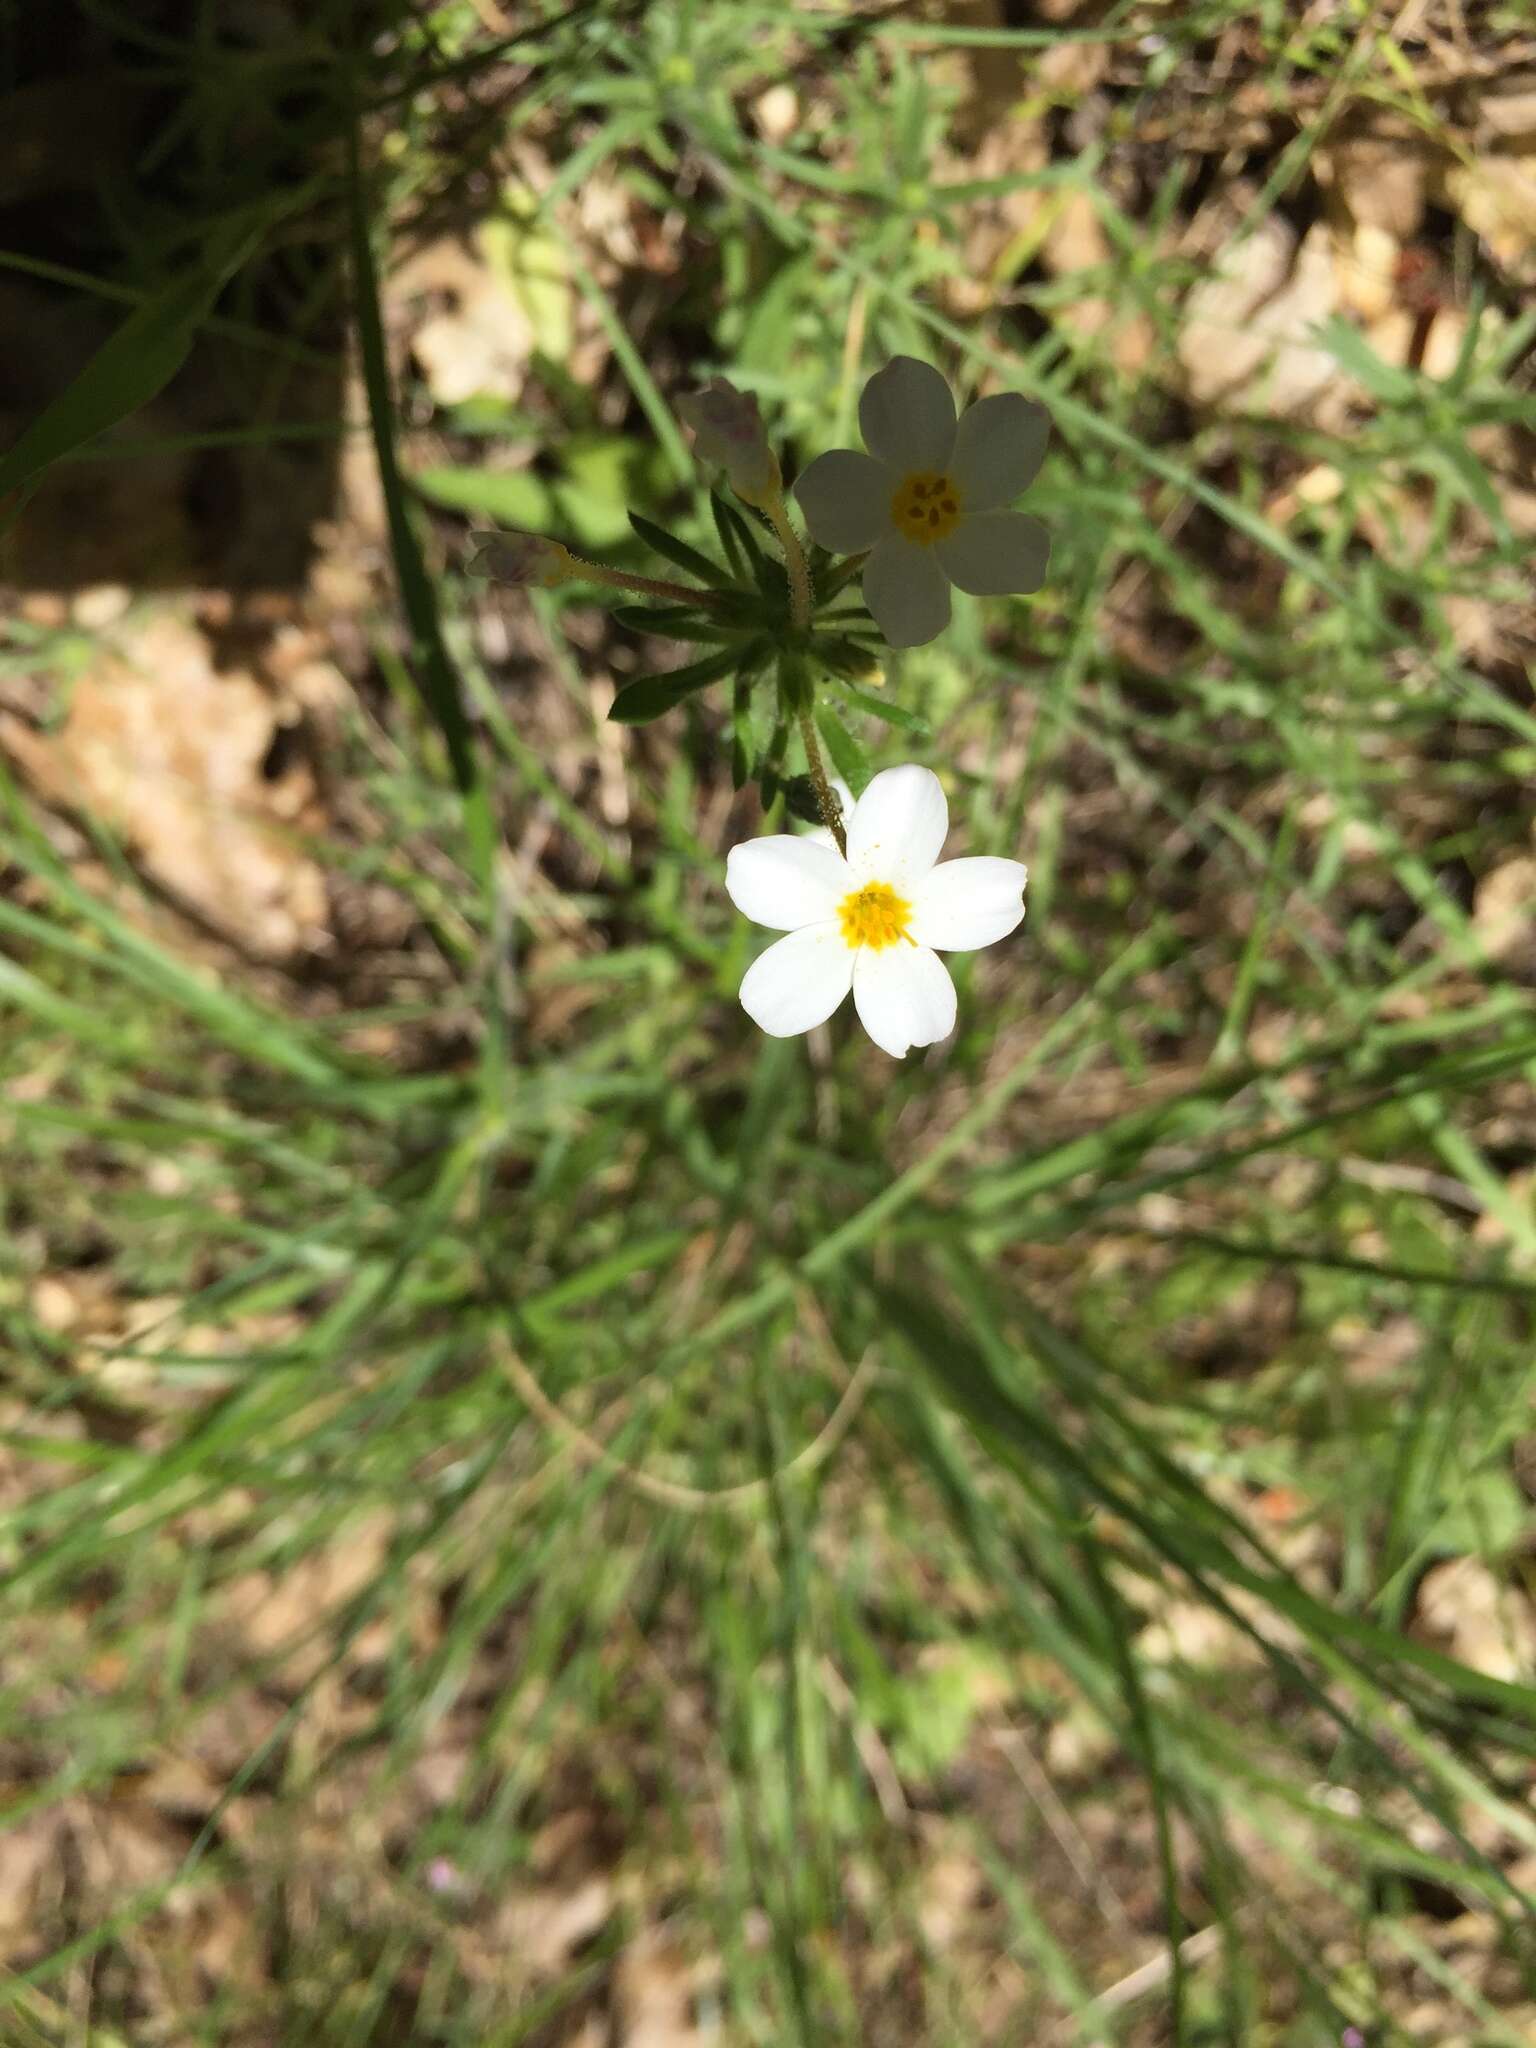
[875,922]
[522,558]
[929,498]
[728,432]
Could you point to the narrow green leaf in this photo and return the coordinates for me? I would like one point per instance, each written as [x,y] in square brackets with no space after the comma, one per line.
[727,610]
[1352,352]
[893,714]
[742,753]
[678,551]
[848,757]
[638,376]
[137,362]
[770,768]
[847,659]
[671,622]
[439,684]
[649,697]
[1142,1729]
[735,536]
[603,1275]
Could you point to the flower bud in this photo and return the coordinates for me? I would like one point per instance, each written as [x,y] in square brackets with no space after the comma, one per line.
[728,431]
[521,558]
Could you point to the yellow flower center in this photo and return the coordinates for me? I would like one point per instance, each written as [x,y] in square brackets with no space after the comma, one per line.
[874,916]
[926,506]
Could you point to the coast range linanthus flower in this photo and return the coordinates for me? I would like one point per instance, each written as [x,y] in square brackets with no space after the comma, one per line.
[874,922]
[929,501]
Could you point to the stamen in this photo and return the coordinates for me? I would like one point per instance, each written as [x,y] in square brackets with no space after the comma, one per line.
[926,506]
[874,916]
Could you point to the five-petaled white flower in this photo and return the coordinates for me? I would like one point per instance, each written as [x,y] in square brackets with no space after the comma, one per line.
[928,499]
[875,922]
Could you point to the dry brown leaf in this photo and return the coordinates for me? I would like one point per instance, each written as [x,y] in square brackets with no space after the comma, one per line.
[1496,197]
[1504,915]
[1002,232]
[1245,344]
[274,1612]
[953,1882]
[653,1996]
[126,1848]
[471,352]
[1507,107]
[1374,1352]
[30,1863]
[167,751]
[1365,266]
[540,1931]
[1490,1629]
[1393,335]
[479,342]
[1191,1632]
[1379,180]
[990,78]
[1079,1744]
[1075,241]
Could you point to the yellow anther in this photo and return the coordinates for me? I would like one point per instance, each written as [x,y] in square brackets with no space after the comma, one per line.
[874,916]
[926,506]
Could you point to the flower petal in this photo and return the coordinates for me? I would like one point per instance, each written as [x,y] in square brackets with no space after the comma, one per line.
[785,882]
[799,981]
[996,552]
[846,499]
[907,415]
[999,446]
[964,904]
[907,591]
[904,997]
[898,826]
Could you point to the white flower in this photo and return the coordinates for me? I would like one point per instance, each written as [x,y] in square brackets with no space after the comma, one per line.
[728,432]
[928,498]
[875,922]
[522,558]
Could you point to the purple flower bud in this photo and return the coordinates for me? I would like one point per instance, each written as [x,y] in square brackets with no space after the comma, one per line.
[728,431]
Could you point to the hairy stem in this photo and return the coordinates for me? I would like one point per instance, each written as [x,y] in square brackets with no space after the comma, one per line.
[794,560]
[646,586]
[826,795]
[801,608]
